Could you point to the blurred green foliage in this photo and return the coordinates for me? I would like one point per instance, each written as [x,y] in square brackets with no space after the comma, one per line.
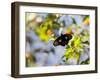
[45,30]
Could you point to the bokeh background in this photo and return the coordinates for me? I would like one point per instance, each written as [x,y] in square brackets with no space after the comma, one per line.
[41,31]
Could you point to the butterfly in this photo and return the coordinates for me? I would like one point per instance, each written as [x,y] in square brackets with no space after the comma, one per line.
[62,40]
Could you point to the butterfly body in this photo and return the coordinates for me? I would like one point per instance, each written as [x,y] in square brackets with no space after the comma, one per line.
[62,40]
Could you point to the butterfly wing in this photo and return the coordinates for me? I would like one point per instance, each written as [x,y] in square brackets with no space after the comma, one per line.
[62,40]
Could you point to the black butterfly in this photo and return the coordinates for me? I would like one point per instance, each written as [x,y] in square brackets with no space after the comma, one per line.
[62,40]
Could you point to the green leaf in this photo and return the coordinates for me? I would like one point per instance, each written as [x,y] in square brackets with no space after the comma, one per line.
[85,62]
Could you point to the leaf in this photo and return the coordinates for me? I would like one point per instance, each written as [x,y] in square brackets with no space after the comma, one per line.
[77,57]
[86,20]
[69,53]
[85,62]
